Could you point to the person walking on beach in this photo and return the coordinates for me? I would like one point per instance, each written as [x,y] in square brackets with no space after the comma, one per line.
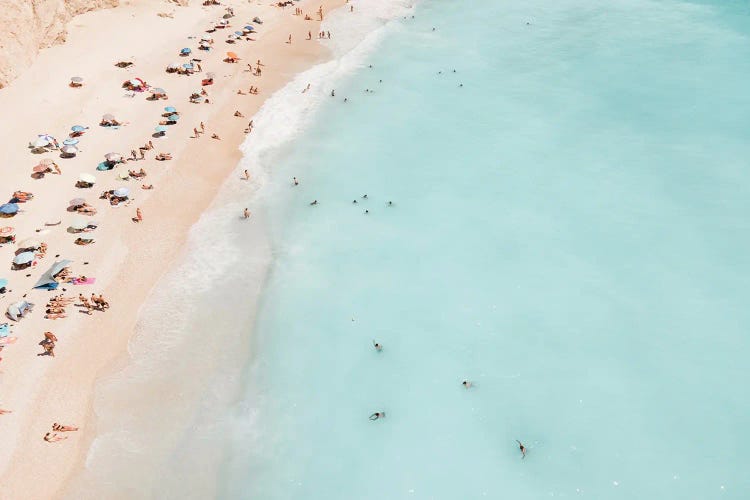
[138,215]
[203,128]
[246,214]
[522,448]
[246,175]
[290,40]
[195,133]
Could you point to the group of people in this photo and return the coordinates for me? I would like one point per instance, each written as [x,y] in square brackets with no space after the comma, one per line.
[55,308]
[96,303]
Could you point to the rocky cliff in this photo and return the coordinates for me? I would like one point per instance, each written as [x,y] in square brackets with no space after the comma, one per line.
[29,25]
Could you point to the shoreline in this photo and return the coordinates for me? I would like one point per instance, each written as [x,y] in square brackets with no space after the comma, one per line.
[64,391]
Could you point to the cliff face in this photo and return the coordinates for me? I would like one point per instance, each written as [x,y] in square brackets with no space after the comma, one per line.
[29,25]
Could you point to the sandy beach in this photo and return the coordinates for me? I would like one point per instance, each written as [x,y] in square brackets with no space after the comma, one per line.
[127,258]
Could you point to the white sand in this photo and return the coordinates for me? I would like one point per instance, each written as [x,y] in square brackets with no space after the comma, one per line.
[127,258]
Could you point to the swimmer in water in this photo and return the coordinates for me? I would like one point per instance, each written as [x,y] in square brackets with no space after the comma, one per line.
[378,347]
[354,201]
[345,99]
[522,448]
[390,203]
[466,384]
[377,415]
[364,197]
[313,202]
[333,93]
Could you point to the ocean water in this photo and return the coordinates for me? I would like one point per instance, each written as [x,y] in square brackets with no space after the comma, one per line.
[568,231]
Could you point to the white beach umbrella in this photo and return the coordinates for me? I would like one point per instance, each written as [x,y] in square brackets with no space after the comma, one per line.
[87,178]
[47,162]
[108,117]
[79,222]
[40,142]
[69,150]
[76,79]
[30,243]
[113,157]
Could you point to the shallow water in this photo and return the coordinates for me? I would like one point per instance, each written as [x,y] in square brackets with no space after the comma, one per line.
[568,233]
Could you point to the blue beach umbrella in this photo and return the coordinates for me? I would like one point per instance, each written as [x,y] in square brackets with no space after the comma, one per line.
[77,128]
[188,65]
[249,28]
[185,51]
[122,192]
[170,109]
[161,128]
[173,118]
[9,208]
[70,142]
[23,258]
[3,282]
[238,33]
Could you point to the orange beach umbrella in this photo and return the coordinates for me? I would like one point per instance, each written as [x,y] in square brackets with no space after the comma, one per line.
[232,55]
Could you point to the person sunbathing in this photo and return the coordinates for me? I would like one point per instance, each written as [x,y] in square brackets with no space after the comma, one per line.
[86,209]
[53,438]
[237,113]
[147,186]
[214,136]
[85,303]
[55,316]
[63,428]
[137,175]
[4,412]
[164,156]
[83,242]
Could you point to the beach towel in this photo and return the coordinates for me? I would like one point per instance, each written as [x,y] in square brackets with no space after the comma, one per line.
[87,281]
[4,330]
[8,340]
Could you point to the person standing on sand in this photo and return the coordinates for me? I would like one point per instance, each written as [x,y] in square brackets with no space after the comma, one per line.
[203,128]
[195,133]
[246,214]
[246,175]
[138,215]
[290,40]
[309,35]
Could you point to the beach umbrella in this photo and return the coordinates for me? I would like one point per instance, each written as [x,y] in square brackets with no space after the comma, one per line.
[136,82]
[227,16]
[122,192]
[30,243]
[23,258]
[232,55]
[40,169]
[70,142]
[3,282]
[238,33]
[188,65]
[113,157]
[206,38]
[77,128]
[47,162]
[40,143]
[77,201]
[205,44]
[161,128]
[108,117]
[249,28]
[173,118]
[46,137]
[48,278]
[186,50]
[76,79]
[158,90]
[9,208]
[87,178]
[69,150]
[79,222]
[5,231]
[170,109]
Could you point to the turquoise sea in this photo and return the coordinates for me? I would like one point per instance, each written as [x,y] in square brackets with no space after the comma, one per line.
[569,232]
